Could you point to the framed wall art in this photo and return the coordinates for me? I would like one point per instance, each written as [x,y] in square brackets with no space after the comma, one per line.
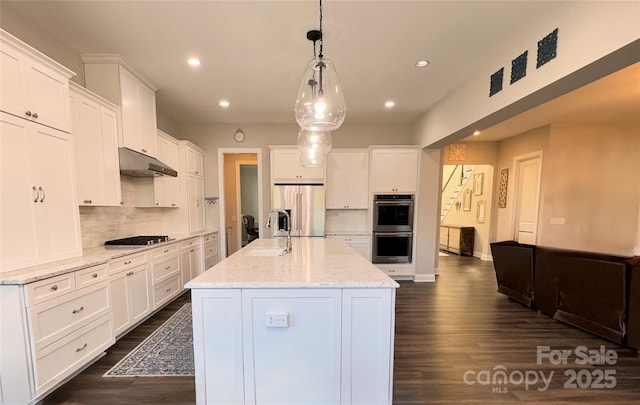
[480,213]
[466,200]
[502,190]
[478,180]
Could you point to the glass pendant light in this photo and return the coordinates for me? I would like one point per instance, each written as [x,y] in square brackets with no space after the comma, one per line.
[320,104]
[312,157]
[320,141]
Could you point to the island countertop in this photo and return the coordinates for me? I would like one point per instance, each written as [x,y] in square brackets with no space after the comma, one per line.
[313,263]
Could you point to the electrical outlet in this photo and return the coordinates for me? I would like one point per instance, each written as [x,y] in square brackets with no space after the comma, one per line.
[277,319]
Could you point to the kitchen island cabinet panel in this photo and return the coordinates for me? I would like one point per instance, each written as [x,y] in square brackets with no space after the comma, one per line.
[218,343]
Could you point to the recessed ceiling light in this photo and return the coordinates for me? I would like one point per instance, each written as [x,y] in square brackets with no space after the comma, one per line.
[193,61]
[389,103]
[476,133]
[422,63]
[224,103]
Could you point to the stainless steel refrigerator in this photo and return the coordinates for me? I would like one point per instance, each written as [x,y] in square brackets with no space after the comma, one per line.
[305,205]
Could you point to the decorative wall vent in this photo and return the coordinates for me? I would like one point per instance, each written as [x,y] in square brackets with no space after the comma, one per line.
[519,67]
[547,48]
[496,82]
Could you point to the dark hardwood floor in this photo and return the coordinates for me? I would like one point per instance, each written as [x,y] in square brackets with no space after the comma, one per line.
[457,327]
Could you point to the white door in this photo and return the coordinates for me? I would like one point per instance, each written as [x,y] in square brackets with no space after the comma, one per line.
[527,199]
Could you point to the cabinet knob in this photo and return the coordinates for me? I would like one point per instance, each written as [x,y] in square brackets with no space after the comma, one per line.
[28,113]
[168,289]
[35,115]
[173,204]
[94,275]
[54,287]
[157,203]
[144,150]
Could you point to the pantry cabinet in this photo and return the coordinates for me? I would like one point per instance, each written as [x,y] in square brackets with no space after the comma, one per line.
[347,180]
[166,189]
[95,133]
[394,170]
[110,77]
[33,86]
[40,218]
[286,167]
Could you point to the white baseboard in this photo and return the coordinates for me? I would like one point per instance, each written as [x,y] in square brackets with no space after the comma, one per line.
[424,278]
[485,257]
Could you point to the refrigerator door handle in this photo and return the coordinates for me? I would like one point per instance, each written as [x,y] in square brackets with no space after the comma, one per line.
[299,211]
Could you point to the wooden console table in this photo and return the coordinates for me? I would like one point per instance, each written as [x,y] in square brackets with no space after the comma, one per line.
[457,239]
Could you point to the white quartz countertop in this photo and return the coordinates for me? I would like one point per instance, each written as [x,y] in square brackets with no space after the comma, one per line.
[89,258]
[313,263]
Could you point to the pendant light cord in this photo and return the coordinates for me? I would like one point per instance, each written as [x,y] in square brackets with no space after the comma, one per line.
[321,36]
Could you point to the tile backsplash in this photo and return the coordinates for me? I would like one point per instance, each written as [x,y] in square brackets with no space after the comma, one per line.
[99,224]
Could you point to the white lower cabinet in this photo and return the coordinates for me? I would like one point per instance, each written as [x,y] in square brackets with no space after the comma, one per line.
[359,243]
[297,346]
[190,259]
[51,329]
[165,274]
[210,247]
[129,289]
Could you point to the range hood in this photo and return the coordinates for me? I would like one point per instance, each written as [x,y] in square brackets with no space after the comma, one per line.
[137,164]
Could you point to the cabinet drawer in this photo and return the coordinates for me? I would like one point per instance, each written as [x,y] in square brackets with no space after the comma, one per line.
[117,265]
[62,358]
[210,261]
[161,270]
[55,318]
[50,288]
[210,249]
[166,290]
[211,237]
[164,251]
[91,275]
[188,244]
[397,270]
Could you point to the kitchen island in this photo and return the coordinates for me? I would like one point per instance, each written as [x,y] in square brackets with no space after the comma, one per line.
[315,325]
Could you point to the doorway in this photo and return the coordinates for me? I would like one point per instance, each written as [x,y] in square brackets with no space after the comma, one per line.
[247,200]
[240,178]
[527,170]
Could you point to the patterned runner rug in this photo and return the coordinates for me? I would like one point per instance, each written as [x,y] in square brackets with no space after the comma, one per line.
[168,351]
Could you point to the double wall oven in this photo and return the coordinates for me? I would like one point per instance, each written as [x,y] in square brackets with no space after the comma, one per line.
[392,228]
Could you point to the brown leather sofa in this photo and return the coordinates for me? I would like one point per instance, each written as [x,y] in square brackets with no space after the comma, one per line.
[514,266]
[596,292]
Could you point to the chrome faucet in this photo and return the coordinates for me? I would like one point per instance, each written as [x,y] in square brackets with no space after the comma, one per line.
[268,225]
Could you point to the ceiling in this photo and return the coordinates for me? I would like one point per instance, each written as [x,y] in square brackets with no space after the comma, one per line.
[253,53]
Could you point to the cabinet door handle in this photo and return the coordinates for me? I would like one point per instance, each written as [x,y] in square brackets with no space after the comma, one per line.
[130,273]
[166,251]
[127,262]
[54,287]
[144,150]
[75,311]
[94,275]
[43,194]
[167,268]
[168,289]
[192,250]
[37,194]
[35,115]
[28,113]
[84,346]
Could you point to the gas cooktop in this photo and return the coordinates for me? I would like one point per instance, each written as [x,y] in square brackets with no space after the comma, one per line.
[138,240]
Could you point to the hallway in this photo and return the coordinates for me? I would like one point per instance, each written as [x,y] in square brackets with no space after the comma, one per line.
[445,331]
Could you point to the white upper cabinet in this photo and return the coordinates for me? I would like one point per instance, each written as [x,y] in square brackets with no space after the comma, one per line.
[347,180]
[40,218]
[166,189]
[108,77]
[95,134]
[286,168]
[32,86]
[194,161]
[394,170]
